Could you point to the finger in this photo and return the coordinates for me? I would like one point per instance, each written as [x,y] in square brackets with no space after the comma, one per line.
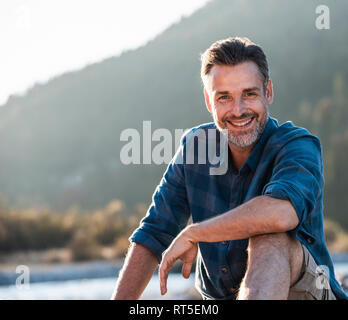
[186,270]
[163,275]
[163,280]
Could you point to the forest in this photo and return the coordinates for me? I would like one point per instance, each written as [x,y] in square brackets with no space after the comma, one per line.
[60,141]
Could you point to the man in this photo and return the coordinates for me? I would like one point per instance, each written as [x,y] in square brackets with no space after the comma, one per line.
[257,230]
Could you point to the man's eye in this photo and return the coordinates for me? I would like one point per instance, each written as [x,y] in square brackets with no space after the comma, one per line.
[250,94]
[223,98]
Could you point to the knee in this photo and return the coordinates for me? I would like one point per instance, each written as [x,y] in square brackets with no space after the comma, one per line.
[282,244]
[279,248]
[282,241]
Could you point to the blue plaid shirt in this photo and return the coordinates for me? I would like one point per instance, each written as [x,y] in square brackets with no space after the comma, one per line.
[286,163]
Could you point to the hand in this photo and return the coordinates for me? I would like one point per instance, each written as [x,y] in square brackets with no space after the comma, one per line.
[183,248]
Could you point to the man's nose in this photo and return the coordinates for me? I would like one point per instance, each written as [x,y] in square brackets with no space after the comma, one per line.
[237,108]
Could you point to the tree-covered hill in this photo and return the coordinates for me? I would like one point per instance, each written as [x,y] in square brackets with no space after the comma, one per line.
[60,142]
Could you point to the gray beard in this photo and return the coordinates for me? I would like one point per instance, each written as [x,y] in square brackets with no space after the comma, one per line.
[245,140]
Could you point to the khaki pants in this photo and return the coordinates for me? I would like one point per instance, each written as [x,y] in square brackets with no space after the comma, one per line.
[313,283]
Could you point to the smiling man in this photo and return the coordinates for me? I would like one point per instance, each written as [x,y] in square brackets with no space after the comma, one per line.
[257,230]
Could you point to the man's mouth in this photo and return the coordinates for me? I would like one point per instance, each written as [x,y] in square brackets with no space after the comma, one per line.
[241,124]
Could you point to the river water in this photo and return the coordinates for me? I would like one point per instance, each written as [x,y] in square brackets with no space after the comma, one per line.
[102,288]
[94,289]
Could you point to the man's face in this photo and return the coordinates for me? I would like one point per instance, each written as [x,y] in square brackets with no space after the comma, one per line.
[238,102]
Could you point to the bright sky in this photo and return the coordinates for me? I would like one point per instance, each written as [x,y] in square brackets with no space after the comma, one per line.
[40,39]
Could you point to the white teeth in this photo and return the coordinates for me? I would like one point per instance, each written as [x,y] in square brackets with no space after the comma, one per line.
[242,124]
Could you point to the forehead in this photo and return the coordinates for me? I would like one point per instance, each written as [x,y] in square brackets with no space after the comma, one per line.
[231,78]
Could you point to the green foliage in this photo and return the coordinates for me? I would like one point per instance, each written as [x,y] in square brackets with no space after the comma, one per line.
[84,233]
[30,229]
[84,247]
[60,146]
[328,119]
[336,237]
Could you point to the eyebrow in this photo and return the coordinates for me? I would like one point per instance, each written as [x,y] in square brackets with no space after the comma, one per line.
[252,89]
[221,92]
[244,90]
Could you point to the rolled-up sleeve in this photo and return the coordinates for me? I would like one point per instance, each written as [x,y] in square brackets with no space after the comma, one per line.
[297,175]
[169,211]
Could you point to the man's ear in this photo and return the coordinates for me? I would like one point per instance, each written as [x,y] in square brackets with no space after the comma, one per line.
[269,92]
[207,100]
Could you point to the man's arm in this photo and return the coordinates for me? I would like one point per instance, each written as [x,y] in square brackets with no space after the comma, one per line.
[260,215]
[167,216]
[139,267]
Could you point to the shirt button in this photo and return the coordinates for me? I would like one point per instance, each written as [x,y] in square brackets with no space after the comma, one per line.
[309,240]
[224,270]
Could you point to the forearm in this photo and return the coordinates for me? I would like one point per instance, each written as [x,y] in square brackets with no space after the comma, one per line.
[136,273]
[260,215]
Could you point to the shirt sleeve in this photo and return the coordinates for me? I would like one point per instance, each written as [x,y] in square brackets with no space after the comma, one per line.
[169,211]
[297,176]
